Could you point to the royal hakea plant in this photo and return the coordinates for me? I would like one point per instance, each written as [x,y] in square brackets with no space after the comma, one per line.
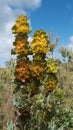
[35,78]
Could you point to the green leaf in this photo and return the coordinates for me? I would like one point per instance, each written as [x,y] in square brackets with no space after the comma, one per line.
[16,89]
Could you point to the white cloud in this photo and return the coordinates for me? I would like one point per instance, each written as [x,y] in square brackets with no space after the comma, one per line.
[9,11]
[71,39]
[70,45]
[22,3]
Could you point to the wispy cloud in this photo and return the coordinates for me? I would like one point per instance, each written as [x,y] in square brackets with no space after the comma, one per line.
[70,45]
[25,3]
[9,11]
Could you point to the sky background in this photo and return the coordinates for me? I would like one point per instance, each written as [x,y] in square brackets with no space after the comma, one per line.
[54,16]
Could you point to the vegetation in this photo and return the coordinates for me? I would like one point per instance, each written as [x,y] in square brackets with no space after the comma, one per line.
[6,94]
[42,85]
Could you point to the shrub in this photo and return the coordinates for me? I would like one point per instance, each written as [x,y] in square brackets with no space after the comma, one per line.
[39,103]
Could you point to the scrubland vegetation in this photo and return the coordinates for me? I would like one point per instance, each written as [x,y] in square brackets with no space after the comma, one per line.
[36,89]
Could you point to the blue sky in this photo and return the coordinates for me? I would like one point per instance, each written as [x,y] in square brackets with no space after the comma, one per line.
[54,16]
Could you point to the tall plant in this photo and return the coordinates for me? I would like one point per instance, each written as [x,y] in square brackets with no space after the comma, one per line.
[35,78]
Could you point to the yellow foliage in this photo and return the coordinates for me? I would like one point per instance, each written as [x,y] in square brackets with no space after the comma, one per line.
[51,66]
[37,71]
[51,83]
[21,25]
[40,42]
[21,44]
